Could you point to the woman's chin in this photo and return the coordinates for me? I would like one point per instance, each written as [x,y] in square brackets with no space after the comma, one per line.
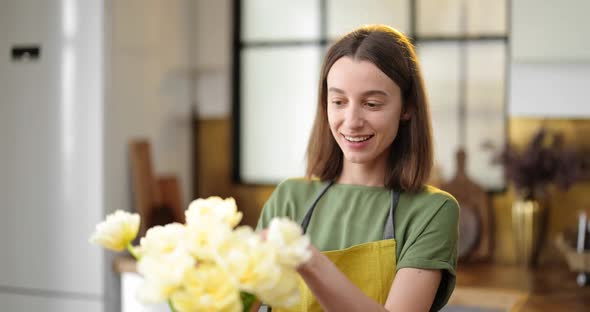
[356,159]
[365,158]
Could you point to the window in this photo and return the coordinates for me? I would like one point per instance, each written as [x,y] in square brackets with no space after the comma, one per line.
[279,45]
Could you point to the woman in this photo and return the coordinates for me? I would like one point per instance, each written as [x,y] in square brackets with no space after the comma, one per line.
[381,239]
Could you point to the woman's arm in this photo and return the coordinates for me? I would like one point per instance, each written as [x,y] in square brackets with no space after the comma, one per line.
[413,289]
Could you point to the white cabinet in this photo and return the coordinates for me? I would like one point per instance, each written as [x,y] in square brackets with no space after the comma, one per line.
[51,154]
[24,303]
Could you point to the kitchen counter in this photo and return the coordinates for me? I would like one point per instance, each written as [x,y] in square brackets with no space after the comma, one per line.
[512,288]
[499,288]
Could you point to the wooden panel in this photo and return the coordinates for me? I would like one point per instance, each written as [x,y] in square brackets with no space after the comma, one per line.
[169,188]
[214,170]
[576,134]
[214,163]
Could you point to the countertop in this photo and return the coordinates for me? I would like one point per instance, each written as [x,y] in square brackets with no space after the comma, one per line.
[499,287]
[541,289]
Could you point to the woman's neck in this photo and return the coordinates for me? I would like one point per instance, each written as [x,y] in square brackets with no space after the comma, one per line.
[362,174]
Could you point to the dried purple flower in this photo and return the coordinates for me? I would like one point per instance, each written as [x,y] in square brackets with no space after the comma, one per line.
[543,161]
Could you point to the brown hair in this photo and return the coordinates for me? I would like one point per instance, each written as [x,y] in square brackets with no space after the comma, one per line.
[410,158]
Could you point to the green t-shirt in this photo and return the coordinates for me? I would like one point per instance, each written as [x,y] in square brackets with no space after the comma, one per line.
[426,223]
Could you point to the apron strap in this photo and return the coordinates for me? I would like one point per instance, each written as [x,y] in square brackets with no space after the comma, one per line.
[389,228]
[307,217]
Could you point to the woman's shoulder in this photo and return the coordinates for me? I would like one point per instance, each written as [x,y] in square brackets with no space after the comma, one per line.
[432,194]
[430,200]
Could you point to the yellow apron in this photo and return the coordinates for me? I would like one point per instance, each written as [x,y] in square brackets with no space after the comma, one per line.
[370,266]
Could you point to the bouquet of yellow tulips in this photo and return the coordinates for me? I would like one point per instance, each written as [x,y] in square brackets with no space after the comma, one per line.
[208,264]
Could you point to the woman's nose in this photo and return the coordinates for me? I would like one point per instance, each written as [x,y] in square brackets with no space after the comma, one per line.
[354,117]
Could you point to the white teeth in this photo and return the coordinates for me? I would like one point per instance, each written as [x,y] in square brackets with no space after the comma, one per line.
[357,139]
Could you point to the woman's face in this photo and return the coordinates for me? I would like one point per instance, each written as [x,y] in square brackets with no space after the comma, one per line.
[364,110]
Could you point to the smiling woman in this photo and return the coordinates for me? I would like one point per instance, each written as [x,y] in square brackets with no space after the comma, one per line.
[363,120]
[369,93]
[382,240]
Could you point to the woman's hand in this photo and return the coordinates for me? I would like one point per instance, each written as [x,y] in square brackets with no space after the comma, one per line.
[263,234]
[307,265]
[302,267]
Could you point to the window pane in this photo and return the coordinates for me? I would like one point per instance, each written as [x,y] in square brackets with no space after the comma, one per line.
[346,15]
[278,105]
[437,17]
[269,20]
[444,17]
[440,66]
[485,17]
[485,103]
[485,108]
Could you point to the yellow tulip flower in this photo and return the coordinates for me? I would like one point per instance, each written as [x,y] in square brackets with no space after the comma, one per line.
[117,231]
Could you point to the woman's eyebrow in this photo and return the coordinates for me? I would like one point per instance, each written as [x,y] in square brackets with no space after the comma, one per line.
[333,89]
[375,92]
[366,93]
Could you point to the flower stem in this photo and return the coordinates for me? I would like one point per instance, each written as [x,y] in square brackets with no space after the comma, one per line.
[132,251]
[247,300]
[171,306]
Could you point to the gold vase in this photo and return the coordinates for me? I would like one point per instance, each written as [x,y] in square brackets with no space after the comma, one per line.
[528,226]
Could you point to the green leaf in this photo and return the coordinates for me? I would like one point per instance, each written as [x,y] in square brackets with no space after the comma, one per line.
[172,309]
[247,300]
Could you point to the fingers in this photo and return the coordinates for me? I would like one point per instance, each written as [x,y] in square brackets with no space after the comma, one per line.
[264,234]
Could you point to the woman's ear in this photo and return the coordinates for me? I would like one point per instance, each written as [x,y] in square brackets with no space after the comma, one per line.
[406,115]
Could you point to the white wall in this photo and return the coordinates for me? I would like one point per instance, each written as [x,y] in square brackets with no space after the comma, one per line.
[550,90]
[166,56]
[211,44]
[548,31]
[550,50]
[148,61]
[51,161]
[148,91]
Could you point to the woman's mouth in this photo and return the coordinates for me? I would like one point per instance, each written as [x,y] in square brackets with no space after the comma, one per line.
[357,138]
[357,142]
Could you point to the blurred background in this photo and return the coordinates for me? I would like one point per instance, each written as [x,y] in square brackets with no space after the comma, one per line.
[144,105]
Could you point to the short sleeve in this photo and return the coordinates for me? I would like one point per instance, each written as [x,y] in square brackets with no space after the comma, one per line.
[268,212]
[434,246]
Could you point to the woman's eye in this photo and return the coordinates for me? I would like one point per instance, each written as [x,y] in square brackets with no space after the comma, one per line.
[337,102]
[372,105]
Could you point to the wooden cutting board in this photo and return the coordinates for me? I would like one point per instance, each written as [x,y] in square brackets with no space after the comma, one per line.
[145,191]
[475,220]
[156,199]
